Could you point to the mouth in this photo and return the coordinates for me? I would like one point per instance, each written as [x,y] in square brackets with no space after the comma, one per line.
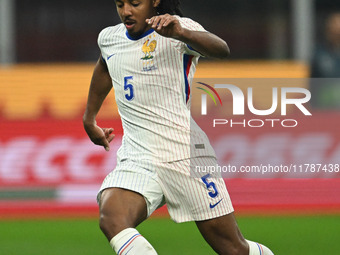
[129,24]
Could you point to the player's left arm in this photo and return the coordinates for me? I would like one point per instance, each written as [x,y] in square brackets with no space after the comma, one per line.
[204,42]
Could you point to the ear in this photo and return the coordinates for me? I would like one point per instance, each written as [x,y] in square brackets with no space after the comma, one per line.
[155,3]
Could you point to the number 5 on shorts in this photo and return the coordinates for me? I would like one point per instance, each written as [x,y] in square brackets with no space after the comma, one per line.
[210,185]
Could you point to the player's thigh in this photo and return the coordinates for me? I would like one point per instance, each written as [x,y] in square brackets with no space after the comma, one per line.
[121,208]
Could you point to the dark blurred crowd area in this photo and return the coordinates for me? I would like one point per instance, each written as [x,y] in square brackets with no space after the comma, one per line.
[63,30]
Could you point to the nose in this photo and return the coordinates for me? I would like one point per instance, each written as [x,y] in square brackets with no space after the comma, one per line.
[126,10]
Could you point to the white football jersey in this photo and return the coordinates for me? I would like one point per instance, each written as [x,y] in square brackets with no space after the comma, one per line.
[151,76]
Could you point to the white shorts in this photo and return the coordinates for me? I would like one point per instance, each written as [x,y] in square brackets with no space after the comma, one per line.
[188,198]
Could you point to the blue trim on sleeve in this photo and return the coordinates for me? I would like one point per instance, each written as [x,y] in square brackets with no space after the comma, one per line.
[191,48]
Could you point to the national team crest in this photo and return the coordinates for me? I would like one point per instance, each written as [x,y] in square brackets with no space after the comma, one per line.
[148,49]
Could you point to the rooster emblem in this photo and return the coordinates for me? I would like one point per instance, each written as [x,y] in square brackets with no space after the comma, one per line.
[148,48]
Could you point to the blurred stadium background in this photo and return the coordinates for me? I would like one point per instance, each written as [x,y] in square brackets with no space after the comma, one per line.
[50,172]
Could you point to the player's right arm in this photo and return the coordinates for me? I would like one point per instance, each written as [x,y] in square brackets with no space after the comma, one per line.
[101,85]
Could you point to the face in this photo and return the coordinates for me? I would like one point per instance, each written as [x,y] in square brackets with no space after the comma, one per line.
[133,14]
[333,30]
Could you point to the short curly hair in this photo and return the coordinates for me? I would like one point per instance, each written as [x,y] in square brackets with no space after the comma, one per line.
[171,7]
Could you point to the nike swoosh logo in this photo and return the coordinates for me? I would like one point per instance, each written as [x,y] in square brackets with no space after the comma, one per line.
[110,56]
[212,206]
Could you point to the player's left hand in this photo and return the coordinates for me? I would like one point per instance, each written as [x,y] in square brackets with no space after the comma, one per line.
[166,25]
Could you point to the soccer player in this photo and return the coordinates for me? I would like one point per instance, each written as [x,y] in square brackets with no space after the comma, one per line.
[150,61]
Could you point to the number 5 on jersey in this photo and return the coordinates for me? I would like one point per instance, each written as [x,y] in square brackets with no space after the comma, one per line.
[129,88]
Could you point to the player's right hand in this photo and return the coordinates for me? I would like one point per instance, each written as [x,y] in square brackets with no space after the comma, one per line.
[100,136]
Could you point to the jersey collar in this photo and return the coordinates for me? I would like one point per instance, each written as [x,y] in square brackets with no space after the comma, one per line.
[141,36]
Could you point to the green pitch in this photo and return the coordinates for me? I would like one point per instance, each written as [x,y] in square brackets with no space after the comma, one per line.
[285,235]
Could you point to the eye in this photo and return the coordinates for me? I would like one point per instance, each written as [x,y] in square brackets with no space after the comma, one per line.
[135,4]
[119,4]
